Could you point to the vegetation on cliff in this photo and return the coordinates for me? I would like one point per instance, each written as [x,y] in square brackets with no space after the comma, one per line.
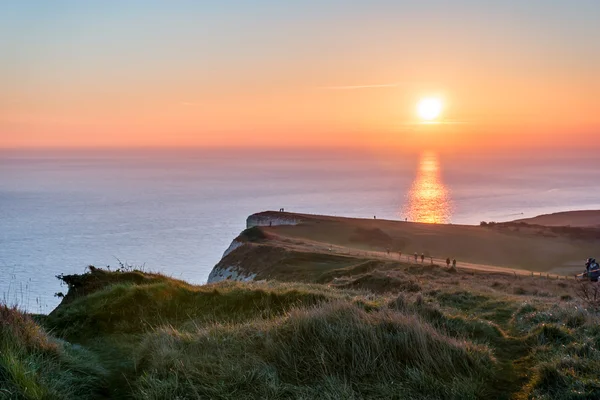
[375,330]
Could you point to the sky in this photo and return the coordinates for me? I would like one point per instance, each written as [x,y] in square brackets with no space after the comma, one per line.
[511,73]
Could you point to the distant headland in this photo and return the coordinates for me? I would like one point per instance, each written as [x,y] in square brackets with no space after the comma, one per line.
[278,244]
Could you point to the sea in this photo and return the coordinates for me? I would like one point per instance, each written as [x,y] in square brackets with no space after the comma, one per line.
[176,211]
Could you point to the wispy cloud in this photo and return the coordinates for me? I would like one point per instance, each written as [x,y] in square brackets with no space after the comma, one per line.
[354,87]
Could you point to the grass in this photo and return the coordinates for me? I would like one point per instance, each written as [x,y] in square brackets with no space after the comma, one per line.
[134,308]
[334,348]
[368,330]
[35,366]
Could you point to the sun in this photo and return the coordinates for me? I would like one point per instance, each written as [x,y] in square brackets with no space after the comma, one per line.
[429,108]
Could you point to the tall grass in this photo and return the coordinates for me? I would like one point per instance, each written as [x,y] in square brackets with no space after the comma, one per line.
[35,366]
[444,336]
[335,349]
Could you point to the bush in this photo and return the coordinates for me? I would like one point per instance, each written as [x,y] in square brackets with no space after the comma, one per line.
[589,294]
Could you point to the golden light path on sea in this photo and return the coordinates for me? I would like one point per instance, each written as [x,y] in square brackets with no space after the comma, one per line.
[428,199]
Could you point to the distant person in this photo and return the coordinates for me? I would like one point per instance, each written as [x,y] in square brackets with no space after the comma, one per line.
[374,216]
[422,258]
[416,257]
[448,262]
[405,219]
[454,262]
[592,269]
[431,259]
[399,255]
[270,223]
[388,250]
[587,267]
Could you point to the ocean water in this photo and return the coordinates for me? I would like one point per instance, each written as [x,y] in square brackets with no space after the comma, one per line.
[176,212]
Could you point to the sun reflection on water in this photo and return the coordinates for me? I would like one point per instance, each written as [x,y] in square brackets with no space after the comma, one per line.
[428,199]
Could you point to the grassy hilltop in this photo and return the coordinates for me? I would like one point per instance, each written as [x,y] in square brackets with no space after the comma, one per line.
[403,331]
[310,245]
[330,315]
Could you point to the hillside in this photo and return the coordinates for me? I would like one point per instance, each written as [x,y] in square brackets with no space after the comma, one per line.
[379,331]
[584,219]
[329,308]
[295,247]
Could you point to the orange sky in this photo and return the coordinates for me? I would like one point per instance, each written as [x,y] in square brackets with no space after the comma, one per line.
[299,77]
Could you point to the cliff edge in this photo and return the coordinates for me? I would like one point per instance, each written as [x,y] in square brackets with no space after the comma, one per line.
[302,247]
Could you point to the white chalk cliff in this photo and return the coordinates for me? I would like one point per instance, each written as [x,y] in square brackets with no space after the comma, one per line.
[232,270]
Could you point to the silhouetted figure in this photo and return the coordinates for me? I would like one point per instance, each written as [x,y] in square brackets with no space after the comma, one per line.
[270,223]
[399,255]
[416,257]
[592,269]
[454,262]
[388,250]
[448,262]
[405,219]
[431,259]
[422,258]
[374,216]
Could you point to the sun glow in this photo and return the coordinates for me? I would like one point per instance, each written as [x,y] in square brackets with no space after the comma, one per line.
[429,108]
[428,199]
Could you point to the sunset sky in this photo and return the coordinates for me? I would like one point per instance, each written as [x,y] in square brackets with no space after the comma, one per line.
[299,73]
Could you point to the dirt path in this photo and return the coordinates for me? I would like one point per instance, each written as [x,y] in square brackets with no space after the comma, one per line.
[512,247]
[319,247]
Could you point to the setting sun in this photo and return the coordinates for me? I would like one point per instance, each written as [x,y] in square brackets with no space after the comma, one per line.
[429,108]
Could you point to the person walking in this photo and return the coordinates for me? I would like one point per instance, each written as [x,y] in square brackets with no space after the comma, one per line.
[422,258]
[454,263]
[416,257]
[448,262]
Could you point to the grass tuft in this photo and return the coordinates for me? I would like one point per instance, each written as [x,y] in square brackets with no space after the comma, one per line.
[330,348]
[35,366]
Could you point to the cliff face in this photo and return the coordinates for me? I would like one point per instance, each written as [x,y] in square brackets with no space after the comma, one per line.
[230,266]
[229,273]
[224,272]
[271,218]
[234,245]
